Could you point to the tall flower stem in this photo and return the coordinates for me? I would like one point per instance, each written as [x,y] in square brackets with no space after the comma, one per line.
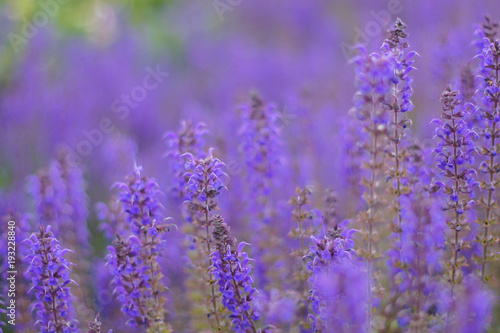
[375,76]
[372,211]
[300,214]
[204,183]
[456,248]
[490,204]
[454,152]
[209,251]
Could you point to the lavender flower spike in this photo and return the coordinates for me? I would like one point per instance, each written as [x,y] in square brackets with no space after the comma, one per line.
[454,155]
[488,116]
[327,253]
[399,102]
[302,232]
[131,282]
[136,259]
[374,80]
[49,272]
[190,138]
[205,181]
[231,268]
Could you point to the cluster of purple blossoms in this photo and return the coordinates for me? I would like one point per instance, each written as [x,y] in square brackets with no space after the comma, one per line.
[454,155]
[325,255]
[232,270]
[337,245]
[375,78]
[58,193]
[47,190]
[129,278]
[395,46]
[486,34]
[301,214]
[353,155]
[260,150]
[422,251]
[342,294]
[139,199]
[76,203]
[397,103]
[134,260]
[301,233]
[397,134]
[49,271]
[487,115]
[111,218]
[190,138]
[471,308]
[205,181]
[260,147]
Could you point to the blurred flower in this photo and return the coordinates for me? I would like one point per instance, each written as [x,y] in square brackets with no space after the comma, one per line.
[190,138]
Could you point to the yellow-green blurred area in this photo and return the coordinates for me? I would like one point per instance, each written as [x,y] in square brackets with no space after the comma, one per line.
[78,15]
[100,22]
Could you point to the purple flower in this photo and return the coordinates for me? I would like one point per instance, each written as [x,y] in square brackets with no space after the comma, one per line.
[402,62]
[51,287]
[375,78]
[419,263]
[328,253]
[76,203]
[261,152]
[340,296]
[470,310]
[129,278]
[487,114]
[134,260]
[398,141]
[48,192]
[139,199]
[205,179]
[190,138]
[232,270]
[58,192]
[454,150]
